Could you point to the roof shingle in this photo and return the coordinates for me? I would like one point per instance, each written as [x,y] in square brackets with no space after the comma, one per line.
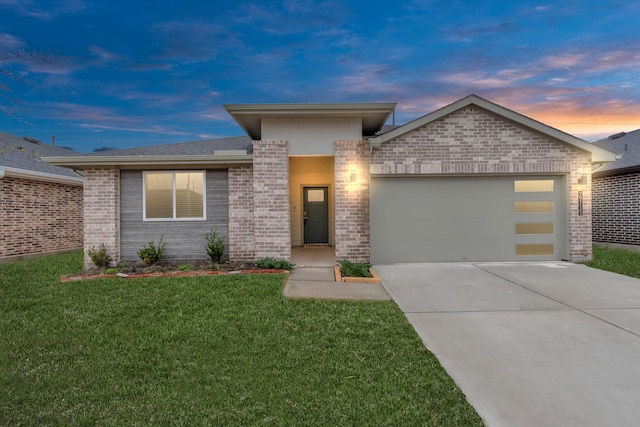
[625,144]
[18,153]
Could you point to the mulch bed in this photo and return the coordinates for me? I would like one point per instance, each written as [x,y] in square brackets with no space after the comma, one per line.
[170,269]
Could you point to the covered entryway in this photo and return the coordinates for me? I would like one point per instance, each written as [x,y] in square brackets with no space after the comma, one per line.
[496,218]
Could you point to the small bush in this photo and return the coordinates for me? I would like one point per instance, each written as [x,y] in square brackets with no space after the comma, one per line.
[354,269]
[215,246]
[99,257]
[185,267]
[276,264]
[111,270]
[151,253]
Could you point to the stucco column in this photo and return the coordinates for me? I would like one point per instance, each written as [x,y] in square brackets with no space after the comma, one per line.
[272,224]
[352,232]
[102,212]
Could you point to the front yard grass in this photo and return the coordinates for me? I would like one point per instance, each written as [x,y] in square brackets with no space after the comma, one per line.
[208,350]
[616,260]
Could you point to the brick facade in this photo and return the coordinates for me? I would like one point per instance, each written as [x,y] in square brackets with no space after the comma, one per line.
[38,217]
[472,141]
[616,209]
[272,229]
[102,211]
[352,232]
[241,232]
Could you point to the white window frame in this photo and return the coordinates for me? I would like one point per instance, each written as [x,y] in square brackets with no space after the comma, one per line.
[173,179]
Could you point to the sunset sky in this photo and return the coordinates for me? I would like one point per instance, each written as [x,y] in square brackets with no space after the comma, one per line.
[124,74]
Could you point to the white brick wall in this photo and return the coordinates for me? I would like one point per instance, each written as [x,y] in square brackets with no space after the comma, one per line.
[241,232]
[471,141]
[102,211]
[272,229]
[352,232]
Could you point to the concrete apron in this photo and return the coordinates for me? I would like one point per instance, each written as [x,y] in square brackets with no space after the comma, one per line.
[320,283]
[530,344]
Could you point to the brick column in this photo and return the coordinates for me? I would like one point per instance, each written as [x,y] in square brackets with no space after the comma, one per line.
[352,233]
[102,212]
[580,226]
[272,228]
[241,219]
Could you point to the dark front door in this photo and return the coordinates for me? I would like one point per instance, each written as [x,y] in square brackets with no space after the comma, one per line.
[316,215]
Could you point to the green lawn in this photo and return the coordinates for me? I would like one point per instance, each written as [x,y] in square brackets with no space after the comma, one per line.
[210,350]
[616,260]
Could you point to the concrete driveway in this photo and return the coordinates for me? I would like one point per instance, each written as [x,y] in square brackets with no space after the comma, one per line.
[530,344]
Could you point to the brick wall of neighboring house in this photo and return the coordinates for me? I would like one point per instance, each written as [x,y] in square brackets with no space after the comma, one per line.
[352,232]
[472,141]
[272,229]
[616,209]
[102,211]
[39,217]
[241,233]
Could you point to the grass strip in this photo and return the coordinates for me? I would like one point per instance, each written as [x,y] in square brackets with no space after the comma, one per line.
[620,261]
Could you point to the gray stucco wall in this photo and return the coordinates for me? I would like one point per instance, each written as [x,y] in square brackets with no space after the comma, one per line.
[185,240]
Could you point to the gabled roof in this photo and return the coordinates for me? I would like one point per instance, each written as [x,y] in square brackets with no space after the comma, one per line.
[232,150]
[598,155]
[627,146]
[22,158]
[249,116]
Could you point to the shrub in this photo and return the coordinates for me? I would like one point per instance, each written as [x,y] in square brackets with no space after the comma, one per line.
[272,263]
[215,246]
[150,253]
[99,257]
[185,267]
[354,269]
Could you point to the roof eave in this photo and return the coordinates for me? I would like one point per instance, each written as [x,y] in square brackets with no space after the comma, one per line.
[249,116]
[91,162]
[598,155]
[39,176]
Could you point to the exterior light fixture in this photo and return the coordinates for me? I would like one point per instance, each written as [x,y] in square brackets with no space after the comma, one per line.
[583,180]
[353,177]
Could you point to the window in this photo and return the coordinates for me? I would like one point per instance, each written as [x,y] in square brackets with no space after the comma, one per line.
[533,186]
[533,207]
[174,195]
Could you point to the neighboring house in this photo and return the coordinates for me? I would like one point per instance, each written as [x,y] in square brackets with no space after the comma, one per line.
[40,204]
[616,192]
[472,181]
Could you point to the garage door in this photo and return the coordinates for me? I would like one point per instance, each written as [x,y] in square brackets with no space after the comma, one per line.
[467,219]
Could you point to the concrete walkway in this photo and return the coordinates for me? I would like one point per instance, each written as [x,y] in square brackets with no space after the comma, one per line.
[530,344]
[319,283]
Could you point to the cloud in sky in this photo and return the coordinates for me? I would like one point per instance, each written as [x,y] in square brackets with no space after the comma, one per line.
[139,75]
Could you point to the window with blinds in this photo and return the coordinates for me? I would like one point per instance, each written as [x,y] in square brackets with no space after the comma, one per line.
[174,195]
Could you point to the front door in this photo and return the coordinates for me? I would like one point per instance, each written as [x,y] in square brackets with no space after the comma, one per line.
[316,215]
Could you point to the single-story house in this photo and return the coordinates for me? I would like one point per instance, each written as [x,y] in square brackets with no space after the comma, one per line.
[616,192]
[472,181]
[40,204]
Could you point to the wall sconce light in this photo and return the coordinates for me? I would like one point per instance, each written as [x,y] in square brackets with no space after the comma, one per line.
[583,180]
[353,177]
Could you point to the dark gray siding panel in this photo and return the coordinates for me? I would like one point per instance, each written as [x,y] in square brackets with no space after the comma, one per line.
[185,240]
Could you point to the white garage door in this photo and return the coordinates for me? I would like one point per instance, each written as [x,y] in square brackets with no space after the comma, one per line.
[467,219]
